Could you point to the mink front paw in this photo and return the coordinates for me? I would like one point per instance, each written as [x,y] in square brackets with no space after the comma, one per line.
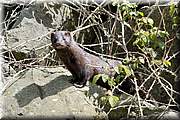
[78,85]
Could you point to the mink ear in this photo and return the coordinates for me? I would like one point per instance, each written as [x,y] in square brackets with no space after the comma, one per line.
[67,33]
[68,37]
[52,37]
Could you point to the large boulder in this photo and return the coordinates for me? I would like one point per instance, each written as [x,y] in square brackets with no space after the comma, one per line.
[47,93]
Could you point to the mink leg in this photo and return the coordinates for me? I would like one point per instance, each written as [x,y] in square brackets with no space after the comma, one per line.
[81,82]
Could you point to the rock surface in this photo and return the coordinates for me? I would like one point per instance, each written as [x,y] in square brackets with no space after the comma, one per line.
[28,36]
[46,93]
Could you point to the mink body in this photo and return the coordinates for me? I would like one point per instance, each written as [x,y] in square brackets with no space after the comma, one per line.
[82,65]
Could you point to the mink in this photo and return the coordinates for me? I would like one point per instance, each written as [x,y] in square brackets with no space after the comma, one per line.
[82,65]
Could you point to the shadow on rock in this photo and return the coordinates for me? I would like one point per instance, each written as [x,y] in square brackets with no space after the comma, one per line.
[27,94]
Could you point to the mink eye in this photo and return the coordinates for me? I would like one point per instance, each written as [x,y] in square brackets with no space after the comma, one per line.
[56,38]
[53,38]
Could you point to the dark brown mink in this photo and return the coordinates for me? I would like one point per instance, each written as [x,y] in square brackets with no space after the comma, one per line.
[82,65]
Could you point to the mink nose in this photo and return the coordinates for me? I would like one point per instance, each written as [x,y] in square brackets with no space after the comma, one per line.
[53,38]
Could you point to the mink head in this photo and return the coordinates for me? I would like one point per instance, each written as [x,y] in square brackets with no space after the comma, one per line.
[61,39]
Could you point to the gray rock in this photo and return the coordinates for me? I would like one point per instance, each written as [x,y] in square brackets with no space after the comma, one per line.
[28,36]
[171,115]
[44,93]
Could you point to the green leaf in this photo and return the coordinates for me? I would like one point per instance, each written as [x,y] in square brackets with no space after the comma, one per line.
[111,82]
[105,77]
[116,69]
[135,65]
[161,45]
[141,13]
[104,100]
[96,78]
[119,78]
[151,52]
[150,21]
[126,61]
[144,20]
[157,62]
[126,70]
[167,63]
[141,60]
[153,37]
[163,33]
[133,13]
[113,100]
[174,26]
[172,9]
[176,20]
